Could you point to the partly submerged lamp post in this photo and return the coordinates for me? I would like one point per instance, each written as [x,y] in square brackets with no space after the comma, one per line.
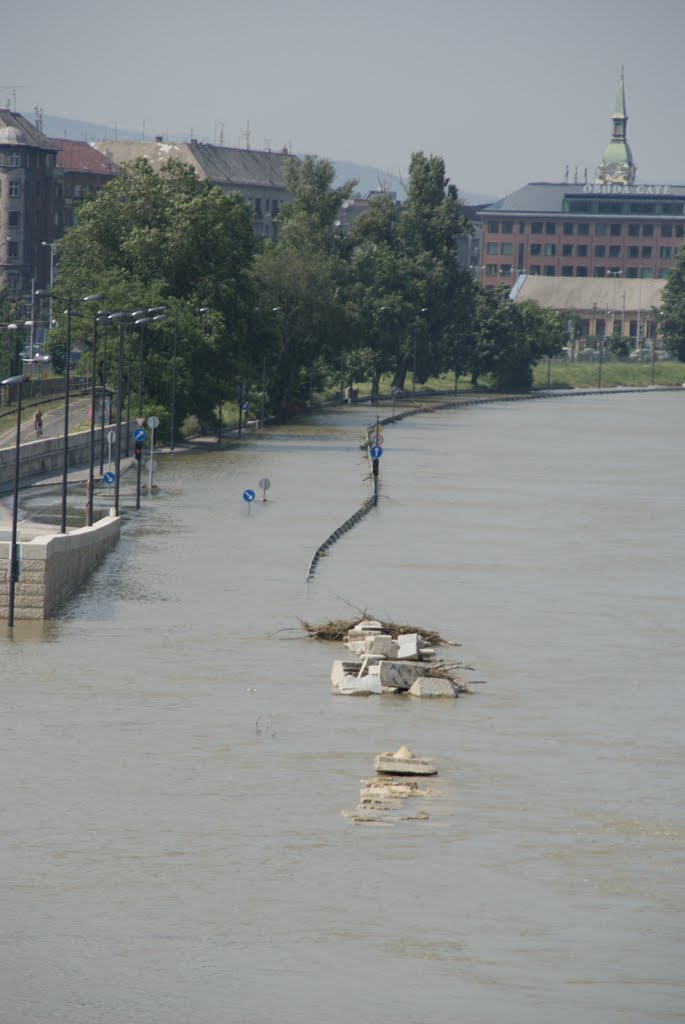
[141,322]
[102,403]
[19,381]
[91,469]
[119,318]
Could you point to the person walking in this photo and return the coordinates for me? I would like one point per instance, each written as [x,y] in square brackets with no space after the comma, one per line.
[38,422]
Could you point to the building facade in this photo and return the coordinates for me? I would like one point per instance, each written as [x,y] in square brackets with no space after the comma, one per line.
[81,171]
[609,227]
[29,202]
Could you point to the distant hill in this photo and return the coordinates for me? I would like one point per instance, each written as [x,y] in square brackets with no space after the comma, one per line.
[370,179]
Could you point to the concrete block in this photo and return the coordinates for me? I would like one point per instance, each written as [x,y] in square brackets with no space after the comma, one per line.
[380,644]
[344,668]
[399,675]
[358,686]
[429,686]
[408,648]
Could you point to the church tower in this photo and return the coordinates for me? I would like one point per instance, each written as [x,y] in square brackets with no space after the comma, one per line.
[617,167]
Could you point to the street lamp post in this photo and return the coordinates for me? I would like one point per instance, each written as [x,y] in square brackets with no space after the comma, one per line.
[599,371]
[119,318]
[91,468]
[614,274]
[40,293]
[141,322]
[424,309]
[102,402]
[51,247]
[19,380]
[202,310]
[10,354]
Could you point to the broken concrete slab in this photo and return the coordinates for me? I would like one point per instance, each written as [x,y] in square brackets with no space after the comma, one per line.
[398,675]
[357,686]
[343,668]
[380,644]
[408,646]
[403,762]
[431,686]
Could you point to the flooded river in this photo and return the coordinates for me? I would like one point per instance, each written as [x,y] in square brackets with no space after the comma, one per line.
[175,766]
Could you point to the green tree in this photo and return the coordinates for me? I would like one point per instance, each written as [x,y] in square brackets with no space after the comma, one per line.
[300,279]
[167,238]
[672,315]
[510,338]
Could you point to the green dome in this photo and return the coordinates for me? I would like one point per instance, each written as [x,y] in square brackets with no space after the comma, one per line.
[617,153]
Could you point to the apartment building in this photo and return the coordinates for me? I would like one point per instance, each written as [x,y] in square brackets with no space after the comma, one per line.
[29,202]
[256,174]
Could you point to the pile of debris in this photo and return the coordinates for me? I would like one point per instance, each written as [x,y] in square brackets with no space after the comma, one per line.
[382,798]
[385,663]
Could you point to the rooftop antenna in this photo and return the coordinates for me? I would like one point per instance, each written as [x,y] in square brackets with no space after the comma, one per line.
[38,118]
[267,145]
[566,174]
[12,98]
[575,175]
[221,134]
[246,135]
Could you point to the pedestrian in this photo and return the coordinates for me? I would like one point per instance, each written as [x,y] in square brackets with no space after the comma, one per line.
[38,422]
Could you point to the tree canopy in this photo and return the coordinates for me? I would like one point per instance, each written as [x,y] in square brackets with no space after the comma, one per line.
[312,309]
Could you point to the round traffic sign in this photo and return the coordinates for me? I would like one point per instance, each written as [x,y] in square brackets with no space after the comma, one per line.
[265,483]
[109,478]
[151,465]
[139,434]
[152,422]
[378,439]
[248,495]
[376,451]
[111,436]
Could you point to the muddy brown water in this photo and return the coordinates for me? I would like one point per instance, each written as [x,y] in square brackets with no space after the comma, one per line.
[175,766]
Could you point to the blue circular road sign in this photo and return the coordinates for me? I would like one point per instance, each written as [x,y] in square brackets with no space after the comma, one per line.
[248,495]
[109,478]
[139,434]
[376,451]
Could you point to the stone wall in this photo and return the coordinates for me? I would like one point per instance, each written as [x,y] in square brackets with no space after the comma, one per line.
[46,456]
[53,566]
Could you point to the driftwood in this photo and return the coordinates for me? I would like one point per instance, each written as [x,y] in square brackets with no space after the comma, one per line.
[337,629]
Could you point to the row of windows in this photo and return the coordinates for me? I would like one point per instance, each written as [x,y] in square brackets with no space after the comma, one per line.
[601,229]
[614,252]
[550,270]
[648,207]
[32,157]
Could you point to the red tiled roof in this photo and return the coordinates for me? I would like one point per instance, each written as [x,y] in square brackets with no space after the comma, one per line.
[82,157]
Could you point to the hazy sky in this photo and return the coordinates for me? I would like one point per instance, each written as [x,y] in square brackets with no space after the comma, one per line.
[506,92]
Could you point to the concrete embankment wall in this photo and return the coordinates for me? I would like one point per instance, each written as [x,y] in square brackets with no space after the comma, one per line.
[46,456]
[54,566]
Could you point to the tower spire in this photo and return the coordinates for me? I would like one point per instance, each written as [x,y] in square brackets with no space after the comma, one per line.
[617,166]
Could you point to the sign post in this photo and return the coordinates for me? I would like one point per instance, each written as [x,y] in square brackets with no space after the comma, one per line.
[111,438]
[152,423]
[375,451]
[249,497]
[265,484]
